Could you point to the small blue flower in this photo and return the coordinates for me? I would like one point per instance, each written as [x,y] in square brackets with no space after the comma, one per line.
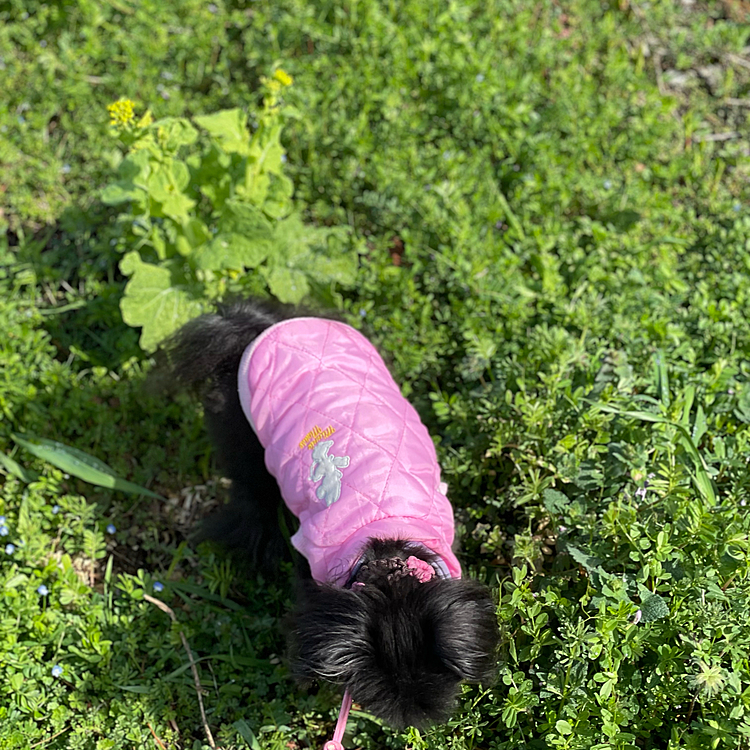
[4,531]
[42,590]
[362,312]
[65,169]
[2,520]
[737,207]
[283,158]
[111,528]
[158,586]
[10,549]
[480,77]
[55,510]
[607,184]
[56,670]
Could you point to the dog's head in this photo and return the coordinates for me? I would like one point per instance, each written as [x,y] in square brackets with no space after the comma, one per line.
[401,647]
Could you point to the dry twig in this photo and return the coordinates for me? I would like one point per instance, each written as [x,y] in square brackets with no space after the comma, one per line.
[738,60]
[49,739]
[712,137]
[198,689]
[158,741]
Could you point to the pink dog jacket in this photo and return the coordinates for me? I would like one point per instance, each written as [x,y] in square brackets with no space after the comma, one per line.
[350,454]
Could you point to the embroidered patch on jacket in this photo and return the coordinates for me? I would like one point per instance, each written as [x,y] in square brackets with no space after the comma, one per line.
[327,467]
[315,436]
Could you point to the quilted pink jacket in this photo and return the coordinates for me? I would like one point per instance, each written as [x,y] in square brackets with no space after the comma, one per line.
[350,454]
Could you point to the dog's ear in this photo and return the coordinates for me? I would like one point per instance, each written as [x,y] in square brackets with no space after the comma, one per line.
[328,634]
[465,628]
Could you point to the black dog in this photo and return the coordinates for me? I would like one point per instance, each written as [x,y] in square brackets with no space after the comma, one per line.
[392,623]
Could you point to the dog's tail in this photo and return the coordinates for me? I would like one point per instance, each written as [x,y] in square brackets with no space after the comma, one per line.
[204,357]
[207,350]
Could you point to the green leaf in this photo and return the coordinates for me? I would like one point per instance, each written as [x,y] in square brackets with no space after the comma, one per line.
[292,240]
[211,175]
[164,190]
[245,239]
[79,464]
[143,689]
[700,427]
[193,234]
[689,398]
[153,302]
[587,561]
[287,284]
[700,477]
[177,206]
[232,251]
[563,727]
[246,219]
[14,468]
[247,734]
[555,501]
[180,174]
[229,128]
[661,377]
[174,132]
[278,202]
[120,192]
[133,172]
[654,607]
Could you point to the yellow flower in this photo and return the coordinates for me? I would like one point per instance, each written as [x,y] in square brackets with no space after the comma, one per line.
[121,113]
[283,77]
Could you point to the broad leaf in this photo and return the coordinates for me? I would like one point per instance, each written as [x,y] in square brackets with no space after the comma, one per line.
[555,501]
[192,235]
[14,468]
[232,251]
[292,239]
[134,171]
[174,132]
[287,284]
[164,190]
[246,219]
[342,269]
[229,127]
[278,202]
[247,734]
[79,464]
[654,607]
[588,561]
[153,302]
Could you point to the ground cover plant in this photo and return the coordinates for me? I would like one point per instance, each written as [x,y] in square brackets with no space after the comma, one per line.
[538,211]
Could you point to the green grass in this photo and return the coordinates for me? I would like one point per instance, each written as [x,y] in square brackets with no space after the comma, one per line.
[549,205]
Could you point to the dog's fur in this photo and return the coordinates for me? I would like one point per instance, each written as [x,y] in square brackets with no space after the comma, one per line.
[401,647]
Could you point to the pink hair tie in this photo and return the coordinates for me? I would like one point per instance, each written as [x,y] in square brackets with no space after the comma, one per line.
[421,570]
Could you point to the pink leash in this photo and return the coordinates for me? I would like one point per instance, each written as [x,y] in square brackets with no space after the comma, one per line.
[338,735]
